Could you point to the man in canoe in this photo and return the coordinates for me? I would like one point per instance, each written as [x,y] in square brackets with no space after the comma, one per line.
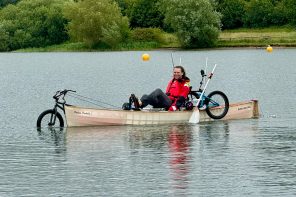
[176,92]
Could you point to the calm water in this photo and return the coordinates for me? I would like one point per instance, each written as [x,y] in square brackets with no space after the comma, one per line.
[224,158]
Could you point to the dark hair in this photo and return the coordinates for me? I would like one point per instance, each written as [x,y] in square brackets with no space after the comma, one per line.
[182,70]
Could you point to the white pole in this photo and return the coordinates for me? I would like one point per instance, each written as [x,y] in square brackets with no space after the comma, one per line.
[195,114]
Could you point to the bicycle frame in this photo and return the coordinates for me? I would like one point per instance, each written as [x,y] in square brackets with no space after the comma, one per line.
[204,97]
[55,109]
[60,95]
[199,91]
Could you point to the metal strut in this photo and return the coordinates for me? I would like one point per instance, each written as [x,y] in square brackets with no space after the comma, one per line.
[91,100]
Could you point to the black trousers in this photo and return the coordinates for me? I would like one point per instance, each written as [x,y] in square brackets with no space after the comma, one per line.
[157,98]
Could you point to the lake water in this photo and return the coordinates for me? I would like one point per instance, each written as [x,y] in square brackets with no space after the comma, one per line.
[254,157]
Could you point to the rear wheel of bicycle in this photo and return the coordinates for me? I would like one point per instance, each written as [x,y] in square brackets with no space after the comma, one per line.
[217,105]
[46,119]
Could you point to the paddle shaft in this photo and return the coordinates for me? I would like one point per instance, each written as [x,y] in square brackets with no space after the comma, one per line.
[202,93]
[172,60]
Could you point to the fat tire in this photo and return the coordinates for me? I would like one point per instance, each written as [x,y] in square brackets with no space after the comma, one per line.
[226,101]
[50,111]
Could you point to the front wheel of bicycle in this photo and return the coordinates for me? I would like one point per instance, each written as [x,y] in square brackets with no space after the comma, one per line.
[50,120]
[217,105]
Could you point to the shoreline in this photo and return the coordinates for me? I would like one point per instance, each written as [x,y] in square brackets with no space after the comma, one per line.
[257,38]
[42,50]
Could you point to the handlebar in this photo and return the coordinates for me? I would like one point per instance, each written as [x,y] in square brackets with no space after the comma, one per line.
[203,75]
[62,93]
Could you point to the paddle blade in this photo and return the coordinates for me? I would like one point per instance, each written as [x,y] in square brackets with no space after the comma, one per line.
[194,117]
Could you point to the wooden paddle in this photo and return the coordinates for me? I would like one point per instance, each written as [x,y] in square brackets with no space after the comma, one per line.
[195,114]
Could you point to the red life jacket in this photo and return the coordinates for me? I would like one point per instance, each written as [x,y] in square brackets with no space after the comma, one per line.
[177,88]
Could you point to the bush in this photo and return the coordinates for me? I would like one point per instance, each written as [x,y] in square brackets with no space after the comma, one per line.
[148,35]
[96,22]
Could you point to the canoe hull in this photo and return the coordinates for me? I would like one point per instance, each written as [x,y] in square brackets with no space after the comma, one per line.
[79,116]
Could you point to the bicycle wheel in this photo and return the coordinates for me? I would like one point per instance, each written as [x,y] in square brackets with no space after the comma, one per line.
[46,119]
[217,105]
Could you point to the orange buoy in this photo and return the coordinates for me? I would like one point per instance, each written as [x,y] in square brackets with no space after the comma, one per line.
[145,57]
[269,49]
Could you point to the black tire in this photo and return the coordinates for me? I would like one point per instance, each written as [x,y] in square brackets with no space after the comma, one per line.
[45,118]
[217,97]
[126,106]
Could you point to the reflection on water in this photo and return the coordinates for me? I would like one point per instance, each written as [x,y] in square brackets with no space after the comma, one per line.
[179,150]
[173,141]
[213,132]
[149,137]
[169,151]
[55,137]
[175,160]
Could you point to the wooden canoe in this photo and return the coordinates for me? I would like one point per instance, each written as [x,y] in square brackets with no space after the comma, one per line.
[79,116]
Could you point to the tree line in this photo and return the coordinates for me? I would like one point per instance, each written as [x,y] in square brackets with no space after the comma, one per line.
[197,23]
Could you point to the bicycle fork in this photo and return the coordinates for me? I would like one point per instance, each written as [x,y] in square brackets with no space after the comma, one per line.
[53,117]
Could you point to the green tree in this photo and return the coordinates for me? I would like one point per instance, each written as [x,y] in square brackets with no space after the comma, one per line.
[127,6]
[96,22]
[290,10]
[279,15]
[196,22]
[33,23]
[6,2]
[122,5]
[146,14]
[4,39]
[259,13]
[232,13]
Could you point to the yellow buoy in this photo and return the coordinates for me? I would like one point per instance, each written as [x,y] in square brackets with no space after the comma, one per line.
[145,57]
[269,49]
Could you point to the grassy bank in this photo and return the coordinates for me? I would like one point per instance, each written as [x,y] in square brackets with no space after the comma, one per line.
[81,47]
[284,36]
[169,41]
